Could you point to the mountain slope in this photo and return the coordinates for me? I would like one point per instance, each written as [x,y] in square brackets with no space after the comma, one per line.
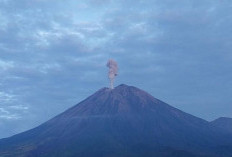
[125,121]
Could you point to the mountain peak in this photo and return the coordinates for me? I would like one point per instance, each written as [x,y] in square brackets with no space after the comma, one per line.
[119,87]
[121,99]
[223,122]
[224,119]
[121,92]
[123,86]
[124,120]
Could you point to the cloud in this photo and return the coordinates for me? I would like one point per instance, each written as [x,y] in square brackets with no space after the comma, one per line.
[19,107]
[4,111]
[7,115]
[48,51]
[4,65]
[5,97]
[8,111]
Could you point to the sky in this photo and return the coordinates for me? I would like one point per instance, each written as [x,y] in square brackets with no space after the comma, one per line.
[53,54]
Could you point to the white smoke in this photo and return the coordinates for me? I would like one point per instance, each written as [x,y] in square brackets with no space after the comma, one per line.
[113,71]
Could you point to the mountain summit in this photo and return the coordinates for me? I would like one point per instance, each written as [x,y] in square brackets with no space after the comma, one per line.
[224,123]
[124,121]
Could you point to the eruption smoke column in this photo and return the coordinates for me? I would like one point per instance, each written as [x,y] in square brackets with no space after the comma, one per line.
[113,71]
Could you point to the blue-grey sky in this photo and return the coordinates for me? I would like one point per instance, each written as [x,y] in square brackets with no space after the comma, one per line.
[53,54]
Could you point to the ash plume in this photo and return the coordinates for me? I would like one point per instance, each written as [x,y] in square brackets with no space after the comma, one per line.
[113,71]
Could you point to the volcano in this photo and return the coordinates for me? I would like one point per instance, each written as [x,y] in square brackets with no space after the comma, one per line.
[121,122]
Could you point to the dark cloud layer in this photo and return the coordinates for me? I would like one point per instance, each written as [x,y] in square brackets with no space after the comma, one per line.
[53,55]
